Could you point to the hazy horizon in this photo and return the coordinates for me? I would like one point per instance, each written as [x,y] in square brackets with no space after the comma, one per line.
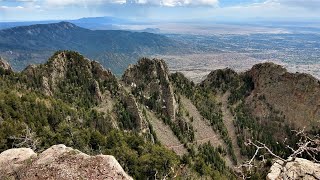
[162,10]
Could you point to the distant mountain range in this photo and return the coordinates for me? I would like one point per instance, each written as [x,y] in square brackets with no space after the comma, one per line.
[115,49]
[88,22]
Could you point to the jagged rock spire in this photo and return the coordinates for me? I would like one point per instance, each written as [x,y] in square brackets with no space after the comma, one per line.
[4,64]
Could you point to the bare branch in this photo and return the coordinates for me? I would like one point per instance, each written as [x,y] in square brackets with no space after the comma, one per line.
[29,139]
[305,146]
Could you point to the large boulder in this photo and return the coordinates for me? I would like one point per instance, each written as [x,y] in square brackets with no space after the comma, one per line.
[296,169]
[11,160]
[58,162]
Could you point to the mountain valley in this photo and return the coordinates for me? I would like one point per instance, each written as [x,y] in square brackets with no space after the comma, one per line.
[157,124]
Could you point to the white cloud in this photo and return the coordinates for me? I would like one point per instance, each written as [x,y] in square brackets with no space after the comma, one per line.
[61,2]
[168,3]
[11,7]
[4,7]
[18,0]
[26,0]
[172,3]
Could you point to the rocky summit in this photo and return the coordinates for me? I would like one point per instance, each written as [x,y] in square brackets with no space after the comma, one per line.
[4,64]
[58,162]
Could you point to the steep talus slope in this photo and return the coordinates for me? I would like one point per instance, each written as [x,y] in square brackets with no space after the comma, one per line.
[228,120]
[174,117]
[206,104]
[203,131]
[220,82]
[58,162]
[165,135]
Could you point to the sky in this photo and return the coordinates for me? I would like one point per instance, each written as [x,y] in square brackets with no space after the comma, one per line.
[162,10]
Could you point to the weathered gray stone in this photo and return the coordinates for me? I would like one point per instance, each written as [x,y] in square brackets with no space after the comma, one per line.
[11,160]
[58,162]
[296,169]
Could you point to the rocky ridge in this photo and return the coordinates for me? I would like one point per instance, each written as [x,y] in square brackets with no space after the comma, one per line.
[59,68]
[150,97]
[295,96]
[270,90]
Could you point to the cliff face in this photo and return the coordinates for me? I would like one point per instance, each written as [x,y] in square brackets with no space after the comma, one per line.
[58,162]
[133,108]
[149,78]
[295,97]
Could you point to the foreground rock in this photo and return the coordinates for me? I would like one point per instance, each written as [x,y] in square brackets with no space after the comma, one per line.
[297,169]
[58,162]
